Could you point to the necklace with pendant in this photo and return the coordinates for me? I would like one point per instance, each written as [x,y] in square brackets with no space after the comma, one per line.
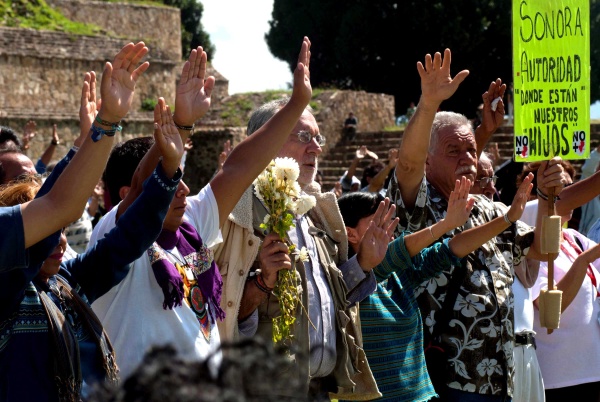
[193,295]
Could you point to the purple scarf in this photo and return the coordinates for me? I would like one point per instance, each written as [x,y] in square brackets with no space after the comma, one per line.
[199,257]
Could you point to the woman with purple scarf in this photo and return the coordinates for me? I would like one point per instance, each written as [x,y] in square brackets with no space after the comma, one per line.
[172,294]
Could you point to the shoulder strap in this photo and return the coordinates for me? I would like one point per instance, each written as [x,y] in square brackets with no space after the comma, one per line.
[65,349]
[94,326]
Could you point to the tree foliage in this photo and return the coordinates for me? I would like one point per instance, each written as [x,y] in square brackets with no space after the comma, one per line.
[192,31]
[373,45]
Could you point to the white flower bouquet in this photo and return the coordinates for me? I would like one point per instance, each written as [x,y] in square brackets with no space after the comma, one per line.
[278,189]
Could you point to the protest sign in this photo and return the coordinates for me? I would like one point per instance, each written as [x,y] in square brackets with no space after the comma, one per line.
[551,76]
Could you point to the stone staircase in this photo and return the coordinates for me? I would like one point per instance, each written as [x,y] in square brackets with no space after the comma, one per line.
[338,157]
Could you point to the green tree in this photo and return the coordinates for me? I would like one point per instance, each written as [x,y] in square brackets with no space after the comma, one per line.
[351,44]
[192,31]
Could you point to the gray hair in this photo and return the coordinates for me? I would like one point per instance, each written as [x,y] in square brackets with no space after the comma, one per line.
[443,120]
[264,113]
[485,158]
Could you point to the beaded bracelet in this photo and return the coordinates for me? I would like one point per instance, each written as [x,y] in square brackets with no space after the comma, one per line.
[113,126]
[98,132]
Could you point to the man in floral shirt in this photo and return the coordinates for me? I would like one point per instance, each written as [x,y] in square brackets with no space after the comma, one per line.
[479,337]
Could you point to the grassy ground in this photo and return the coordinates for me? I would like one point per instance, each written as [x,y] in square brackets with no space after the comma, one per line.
[37,14]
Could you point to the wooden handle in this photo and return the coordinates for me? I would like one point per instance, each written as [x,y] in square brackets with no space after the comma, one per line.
[552,256]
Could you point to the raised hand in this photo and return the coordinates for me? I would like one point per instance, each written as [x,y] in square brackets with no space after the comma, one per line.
[55,138]
[436,83]
[362,152]
[521,197]
[494,153]
[459,204]
[188,145]
[337,189]
[374,243]
[167,137]
[118,81]
[302,90]
[28,134]
[192,98]
[88,106]
[492,119]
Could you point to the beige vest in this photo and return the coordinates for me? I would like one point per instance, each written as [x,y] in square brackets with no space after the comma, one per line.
[236,256]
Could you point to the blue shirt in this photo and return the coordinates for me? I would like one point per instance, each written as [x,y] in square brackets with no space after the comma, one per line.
[26,355]
[392,325]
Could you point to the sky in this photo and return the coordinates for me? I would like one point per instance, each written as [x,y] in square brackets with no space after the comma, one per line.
[237,29]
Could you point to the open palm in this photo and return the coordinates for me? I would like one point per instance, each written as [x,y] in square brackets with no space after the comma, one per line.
[436,83]
[192,99]
[167,137]
[119,78]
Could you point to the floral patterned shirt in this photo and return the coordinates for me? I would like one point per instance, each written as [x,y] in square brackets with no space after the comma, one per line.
[480,334]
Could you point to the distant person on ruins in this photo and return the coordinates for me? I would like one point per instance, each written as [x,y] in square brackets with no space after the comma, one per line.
[350,125]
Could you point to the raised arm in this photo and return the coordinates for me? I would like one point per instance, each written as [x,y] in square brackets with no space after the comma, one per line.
[64,203]
[578,194]
[192,101]
[469,240]
[361,152]
[105,264]
[571,283]
[162,118]
[378,181]
[493,114]
[46,157]
[436,86]
[459,209]
[239,170]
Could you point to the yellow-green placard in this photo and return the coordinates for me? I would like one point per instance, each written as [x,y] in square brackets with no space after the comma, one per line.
[551,76]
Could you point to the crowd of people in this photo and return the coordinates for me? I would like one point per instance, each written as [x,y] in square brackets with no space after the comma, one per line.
[417,282]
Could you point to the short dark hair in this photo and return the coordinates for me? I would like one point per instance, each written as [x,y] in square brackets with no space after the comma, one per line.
[371,171]
[122,163]
[7,134]
[358,204]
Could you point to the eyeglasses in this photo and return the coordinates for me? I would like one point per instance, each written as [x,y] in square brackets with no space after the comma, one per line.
[485,181]
[306,137]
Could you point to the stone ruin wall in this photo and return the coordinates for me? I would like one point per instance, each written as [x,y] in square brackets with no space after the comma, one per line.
[42,74]
[374,112]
